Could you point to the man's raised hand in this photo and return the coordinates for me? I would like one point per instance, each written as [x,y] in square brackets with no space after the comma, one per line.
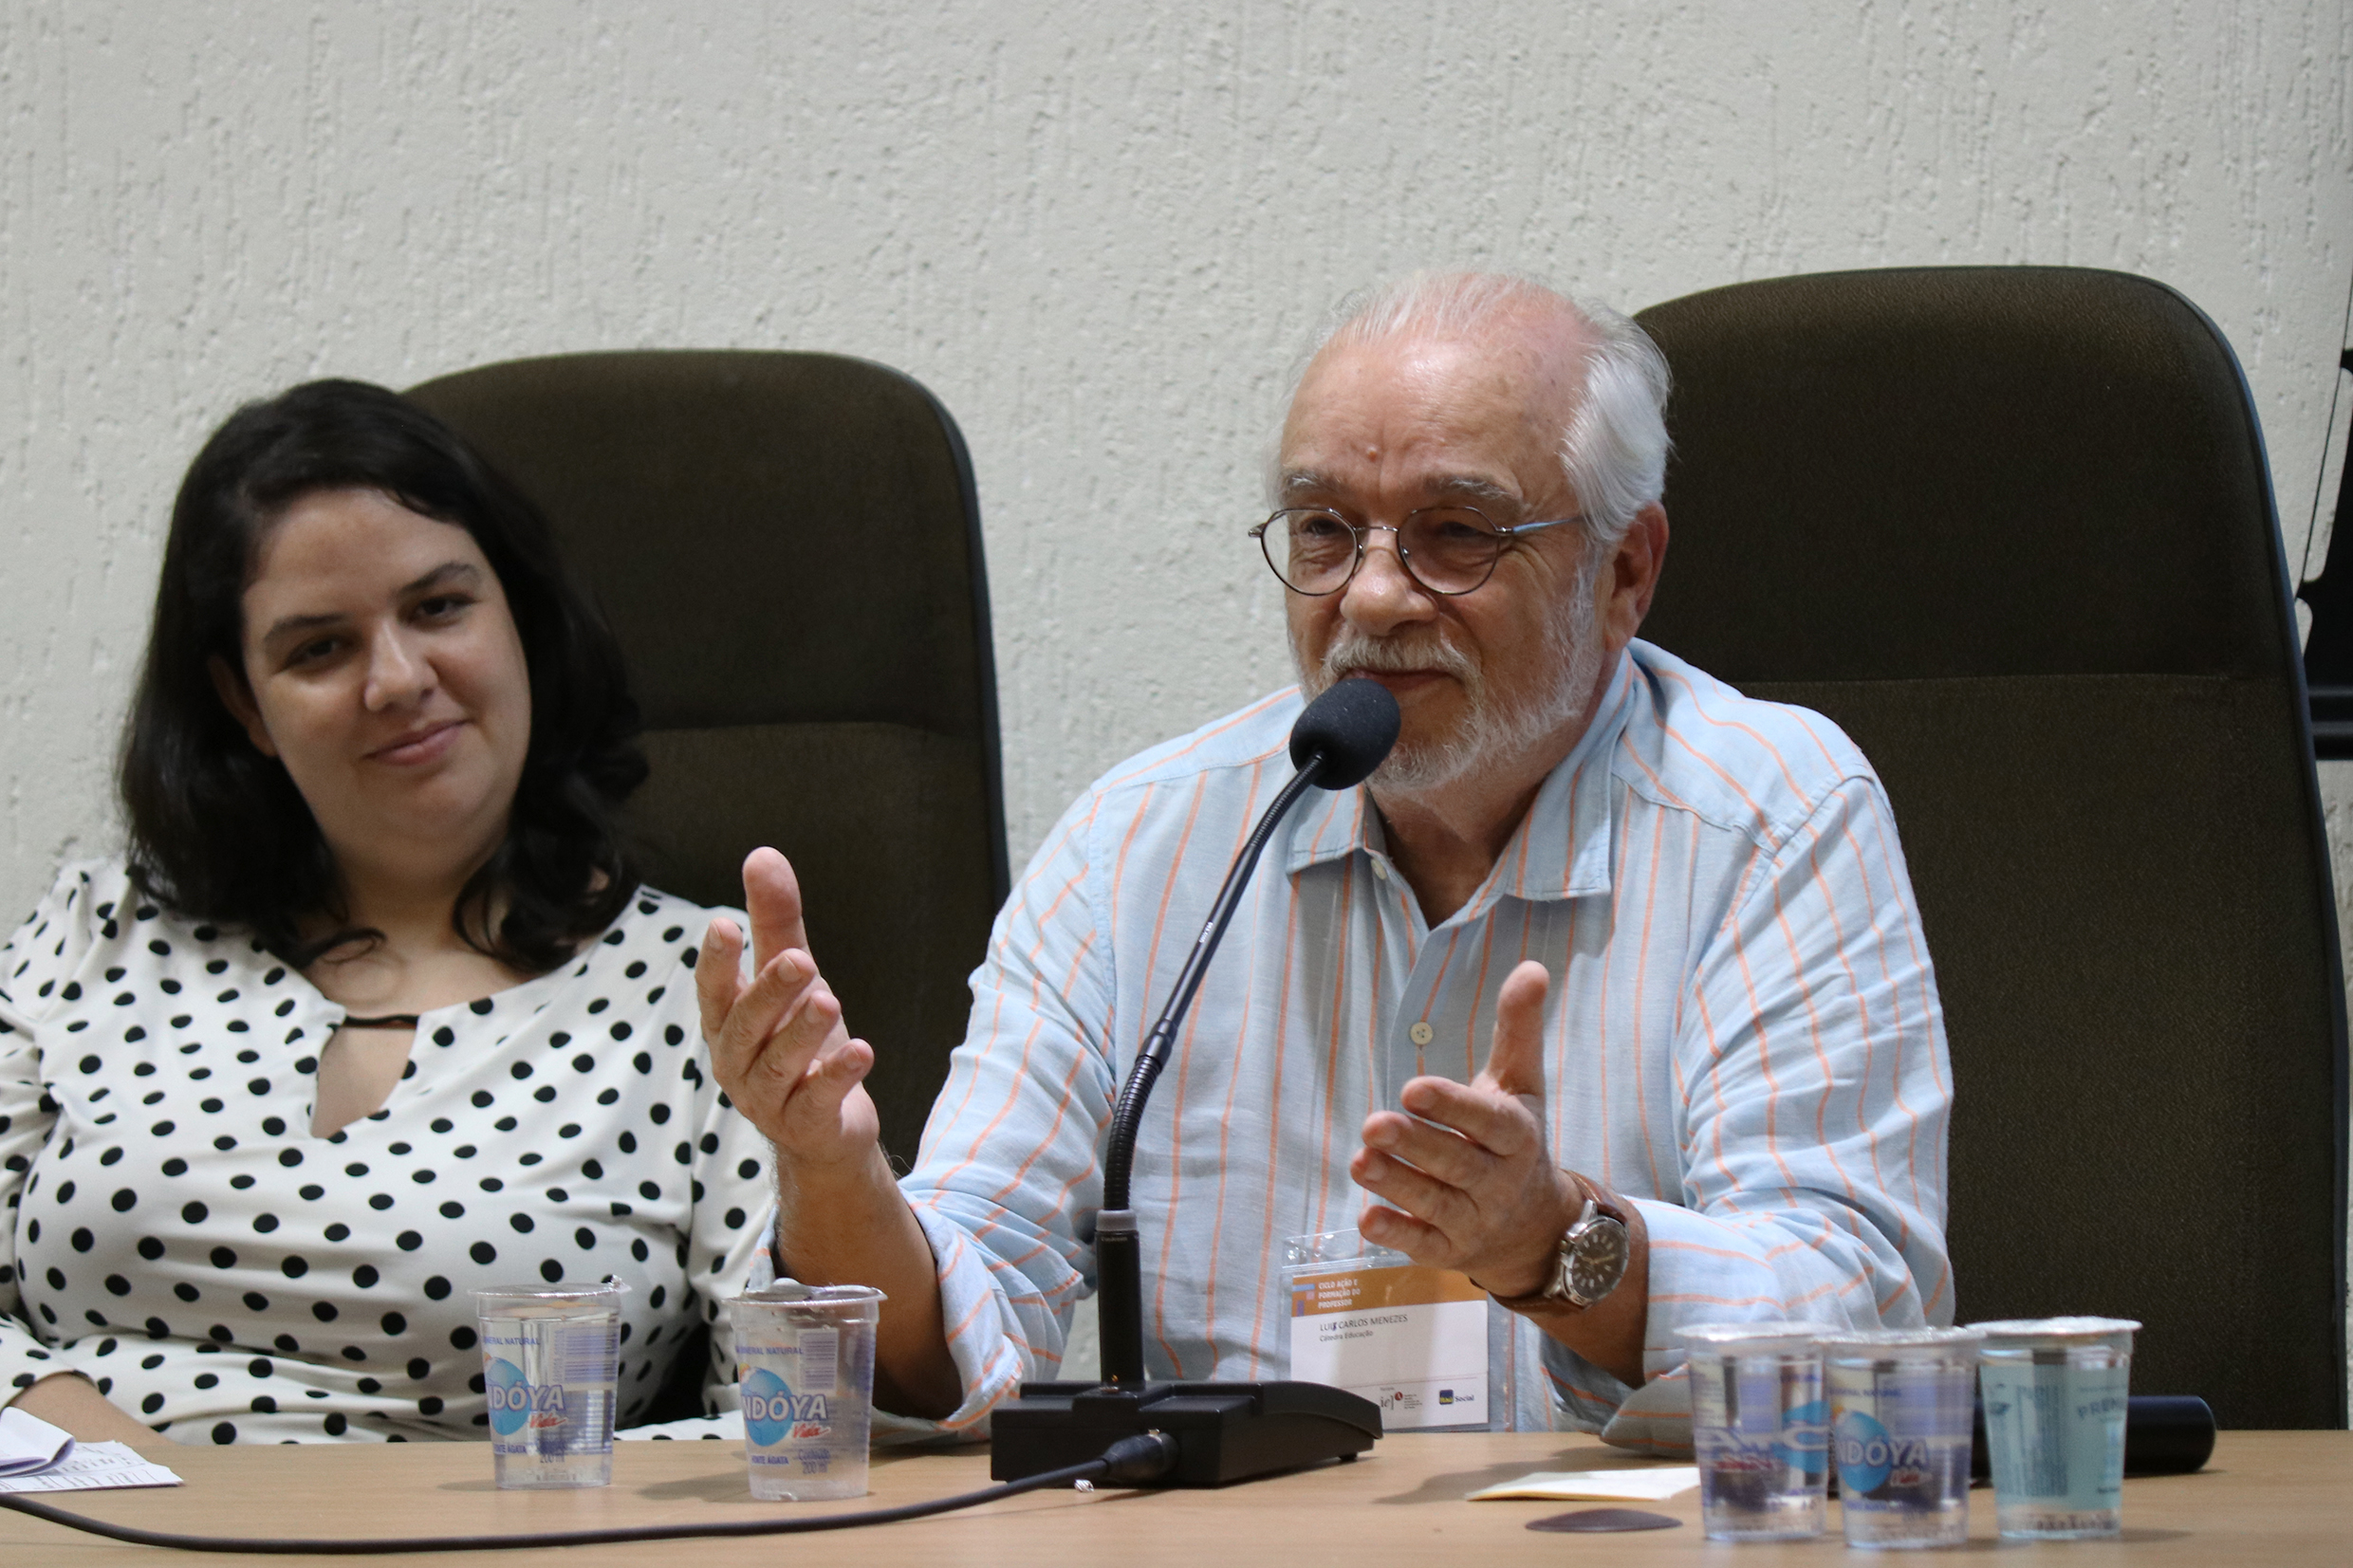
[1478,1190]
[777,1040]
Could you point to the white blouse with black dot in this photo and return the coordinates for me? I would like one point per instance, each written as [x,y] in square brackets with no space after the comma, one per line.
[175,1233]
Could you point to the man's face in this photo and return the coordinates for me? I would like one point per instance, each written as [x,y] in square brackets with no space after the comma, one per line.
[1380,429]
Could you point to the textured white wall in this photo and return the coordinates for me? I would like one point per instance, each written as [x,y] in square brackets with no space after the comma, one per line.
[1097,233]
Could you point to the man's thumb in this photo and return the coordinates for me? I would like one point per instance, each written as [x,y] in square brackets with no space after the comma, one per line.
[1515,1060]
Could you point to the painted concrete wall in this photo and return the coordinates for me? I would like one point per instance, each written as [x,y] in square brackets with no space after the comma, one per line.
[1098,232]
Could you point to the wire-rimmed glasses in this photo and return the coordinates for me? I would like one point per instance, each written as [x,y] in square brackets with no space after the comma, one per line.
[1448,550]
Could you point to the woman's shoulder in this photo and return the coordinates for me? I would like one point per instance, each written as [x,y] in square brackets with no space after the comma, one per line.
[82,885]
[85,904]
[96,922]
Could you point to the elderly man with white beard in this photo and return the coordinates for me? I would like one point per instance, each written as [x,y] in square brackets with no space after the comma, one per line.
[1607,991]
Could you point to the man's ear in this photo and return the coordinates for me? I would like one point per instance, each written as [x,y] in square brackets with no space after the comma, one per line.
[1634,575]
[238,698]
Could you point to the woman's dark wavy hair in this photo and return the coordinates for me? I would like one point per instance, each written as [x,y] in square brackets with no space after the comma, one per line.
[219,832]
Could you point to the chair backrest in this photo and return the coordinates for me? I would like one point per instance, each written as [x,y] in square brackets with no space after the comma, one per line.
[789,547]
[2011,527]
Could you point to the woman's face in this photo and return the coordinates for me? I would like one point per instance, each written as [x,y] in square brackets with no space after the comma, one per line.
[382,667]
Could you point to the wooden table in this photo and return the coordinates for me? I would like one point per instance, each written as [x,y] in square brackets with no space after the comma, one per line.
[2268,1498]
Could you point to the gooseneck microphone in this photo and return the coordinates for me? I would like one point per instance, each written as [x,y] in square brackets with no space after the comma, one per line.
[1335,744]
[1343,735]
[1225,1431]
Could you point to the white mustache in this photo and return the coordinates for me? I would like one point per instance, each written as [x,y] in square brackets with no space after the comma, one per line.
[1354,653]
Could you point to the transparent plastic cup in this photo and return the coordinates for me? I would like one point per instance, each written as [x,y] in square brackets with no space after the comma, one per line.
[1900,1432]
[2055,1391]
[1760,1429]
[806,1358]
[548,1357]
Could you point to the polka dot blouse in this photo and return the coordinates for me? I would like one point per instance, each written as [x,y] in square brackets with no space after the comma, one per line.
[175,1232]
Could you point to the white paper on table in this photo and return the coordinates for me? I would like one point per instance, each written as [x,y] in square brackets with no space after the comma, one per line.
[1647,1485]
[27,1443]
[94,1466]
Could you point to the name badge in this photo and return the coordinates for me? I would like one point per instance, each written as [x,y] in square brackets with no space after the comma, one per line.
[1413,1340]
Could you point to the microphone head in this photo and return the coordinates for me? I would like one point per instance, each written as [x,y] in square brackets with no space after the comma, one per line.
[1351,728]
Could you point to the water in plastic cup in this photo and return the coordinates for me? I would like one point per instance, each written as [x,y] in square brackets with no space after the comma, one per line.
[806,1355]
[548,1357]
[1760,1429]
[1899,1420]
[2055,1391]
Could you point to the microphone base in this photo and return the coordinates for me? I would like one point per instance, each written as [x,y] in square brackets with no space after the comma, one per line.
[1224,1432]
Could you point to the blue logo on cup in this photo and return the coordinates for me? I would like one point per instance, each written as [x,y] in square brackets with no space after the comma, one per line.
[1869,1455]
[510,1395]
[1865,1452]
[773,1413]
[1804,1440]
[516,1403]
[767,1407]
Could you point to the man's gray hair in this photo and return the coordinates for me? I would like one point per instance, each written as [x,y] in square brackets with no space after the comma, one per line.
[1614,449]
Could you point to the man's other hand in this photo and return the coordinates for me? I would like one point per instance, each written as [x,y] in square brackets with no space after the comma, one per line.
[1467,1176]
[777,1040]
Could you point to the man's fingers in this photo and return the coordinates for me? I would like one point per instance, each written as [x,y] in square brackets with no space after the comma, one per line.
[1439,1151]
[817,1104]
[718,980]
[1441,1206]
[772,899]
[777,1043]
[771,1029]
[1481,1112]
[1515,1060]
[1417,1238]
[785,1018]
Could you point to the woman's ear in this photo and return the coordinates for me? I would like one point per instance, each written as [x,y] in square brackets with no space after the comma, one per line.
[238,698]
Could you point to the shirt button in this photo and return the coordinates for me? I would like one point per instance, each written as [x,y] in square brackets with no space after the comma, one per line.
[1421,1033]
[1381,871]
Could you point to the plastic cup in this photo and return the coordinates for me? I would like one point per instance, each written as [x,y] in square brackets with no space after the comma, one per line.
[548,1357]
[1900,1432]
[806,1355]
[2055,1392]
[1760,1429]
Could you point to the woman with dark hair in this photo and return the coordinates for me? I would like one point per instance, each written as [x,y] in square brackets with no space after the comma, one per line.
[375,1011]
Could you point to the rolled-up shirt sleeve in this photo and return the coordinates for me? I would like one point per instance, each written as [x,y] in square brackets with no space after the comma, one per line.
[1815,1100]
[1011,1159]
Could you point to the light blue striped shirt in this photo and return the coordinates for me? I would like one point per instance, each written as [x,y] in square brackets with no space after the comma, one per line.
[1744,1038]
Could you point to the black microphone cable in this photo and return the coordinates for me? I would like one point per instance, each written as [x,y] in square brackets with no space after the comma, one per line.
[1131,1460]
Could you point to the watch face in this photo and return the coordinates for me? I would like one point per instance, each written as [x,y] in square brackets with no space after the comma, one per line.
[1596,1259]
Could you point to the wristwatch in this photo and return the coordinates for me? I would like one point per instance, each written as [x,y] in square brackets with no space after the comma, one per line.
[1587,1263]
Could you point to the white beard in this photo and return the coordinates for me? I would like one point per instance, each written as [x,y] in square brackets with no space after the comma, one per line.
[1491,733]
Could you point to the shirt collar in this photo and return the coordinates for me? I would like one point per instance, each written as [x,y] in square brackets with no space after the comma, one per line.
[1561,849]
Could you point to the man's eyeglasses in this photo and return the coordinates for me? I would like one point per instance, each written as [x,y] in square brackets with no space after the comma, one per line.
[1446,550]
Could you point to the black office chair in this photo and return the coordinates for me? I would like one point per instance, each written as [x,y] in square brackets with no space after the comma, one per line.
[2011,527]
[789,547]
[2328,647]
